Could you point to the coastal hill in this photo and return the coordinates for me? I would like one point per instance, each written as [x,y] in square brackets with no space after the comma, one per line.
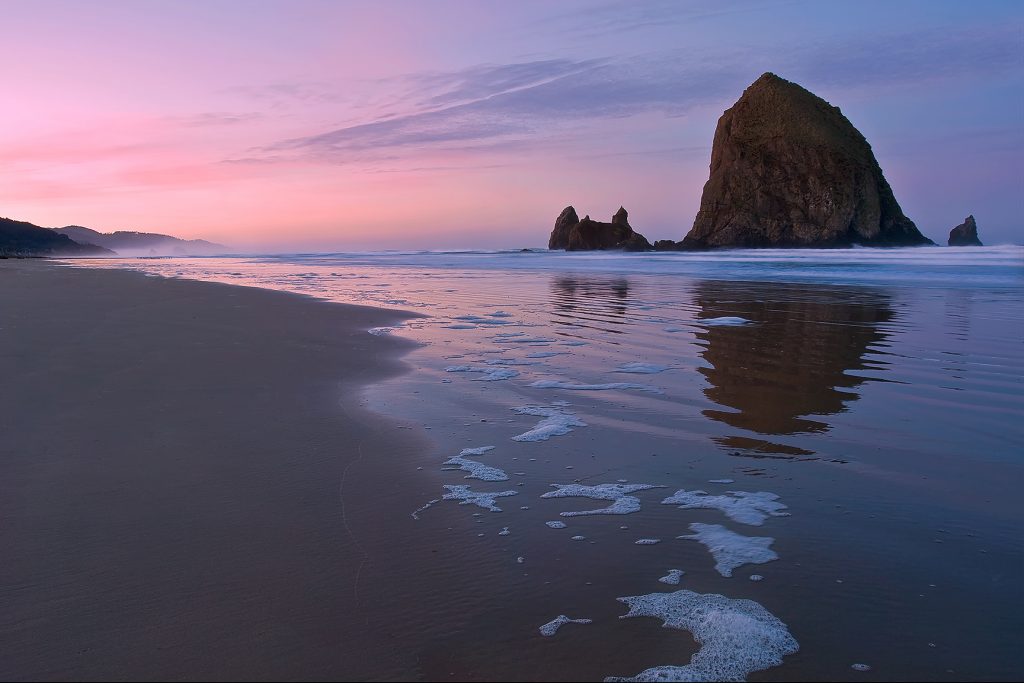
[789,170]
[127,243]
[18,238]
[572,234]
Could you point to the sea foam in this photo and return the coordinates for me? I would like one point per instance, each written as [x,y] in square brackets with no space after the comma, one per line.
[724,321]
[477,470]
[572,386]
[740,506]
[484,499]
[730,549]
[641,368]
[557,421]
[737,637]
[673,577]
[622,502]
[551,628]
[490,374]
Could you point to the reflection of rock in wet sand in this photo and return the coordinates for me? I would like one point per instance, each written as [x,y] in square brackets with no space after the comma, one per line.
[796,359]
[590,301]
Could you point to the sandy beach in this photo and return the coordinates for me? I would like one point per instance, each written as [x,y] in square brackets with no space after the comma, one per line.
[178,464]
[207,475]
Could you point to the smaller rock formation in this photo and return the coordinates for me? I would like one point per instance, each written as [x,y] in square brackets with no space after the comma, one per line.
[573,234]
[965,234]
[566,221]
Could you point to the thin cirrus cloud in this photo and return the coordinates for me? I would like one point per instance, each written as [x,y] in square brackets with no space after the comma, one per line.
[519,101]
[526,104]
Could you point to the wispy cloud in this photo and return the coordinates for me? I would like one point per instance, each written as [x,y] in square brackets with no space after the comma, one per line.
[523,105]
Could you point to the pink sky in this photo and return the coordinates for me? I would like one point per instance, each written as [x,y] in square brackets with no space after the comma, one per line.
[333,125]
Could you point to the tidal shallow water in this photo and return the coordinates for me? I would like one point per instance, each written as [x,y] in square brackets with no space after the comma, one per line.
[876,393]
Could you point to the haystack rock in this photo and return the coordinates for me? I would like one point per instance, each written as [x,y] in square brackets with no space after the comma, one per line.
[573,234]
[789,170]
[965,234]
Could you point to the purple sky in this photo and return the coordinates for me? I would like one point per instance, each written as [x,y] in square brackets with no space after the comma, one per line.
[334,125]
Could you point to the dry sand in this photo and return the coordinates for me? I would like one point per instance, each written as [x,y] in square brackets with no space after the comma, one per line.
[178,466]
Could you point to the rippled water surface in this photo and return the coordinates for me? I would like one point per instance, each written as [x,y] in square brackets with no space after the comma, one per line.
[876,393]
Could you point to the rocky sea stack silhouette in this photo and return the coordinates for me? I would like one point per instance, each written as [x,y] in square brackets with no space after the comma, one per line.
[572,234]
[965,234]
[789,170]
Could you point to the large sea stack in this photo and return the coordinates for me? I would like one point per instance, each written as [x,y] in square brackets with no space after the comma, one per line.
[965,234]
[789,170]
[572,234]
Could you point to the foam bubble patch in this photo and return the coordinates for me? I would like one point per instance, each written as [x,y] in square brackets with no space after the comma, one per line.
[483,499]
[736,637]
[740,506]
[641,368]
[673,577]
[557,421]
[608,386]
[622,502]
[730,549]
[551,628]
[725,321]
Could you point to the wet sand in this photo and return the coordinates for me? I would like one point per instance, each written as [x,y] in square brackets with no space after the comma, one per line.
[186,473]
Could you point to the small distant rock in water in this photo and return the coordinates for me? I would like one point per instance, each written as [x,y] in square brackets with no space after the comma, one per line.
[860,667]
[965,234]
[572,234]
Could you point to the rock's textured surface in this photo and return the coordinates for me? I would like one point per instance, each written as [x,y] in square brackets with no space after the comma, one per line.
[789,170]
[965,234]
[560,234]
[588,234]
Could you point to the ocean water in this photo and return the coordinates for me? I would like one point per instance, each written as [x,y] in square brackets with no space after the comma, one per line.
[841,431]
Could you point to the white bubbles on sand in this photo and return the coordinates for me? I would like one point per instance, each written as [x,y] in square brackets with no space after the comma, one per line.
[724,321]
[572,386]
[417,511]
[484,499]
[504,532]
[516,339]
[556,525]
[510,361]
[477,470]
[673,577]
[622,502]
[380,331]
[730,549]
[641,368]
[647,541]
[737,637]
[579,538]
[756,577]
[740,506]
[489,374]
[479,450]
[551,628]
[557,421]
